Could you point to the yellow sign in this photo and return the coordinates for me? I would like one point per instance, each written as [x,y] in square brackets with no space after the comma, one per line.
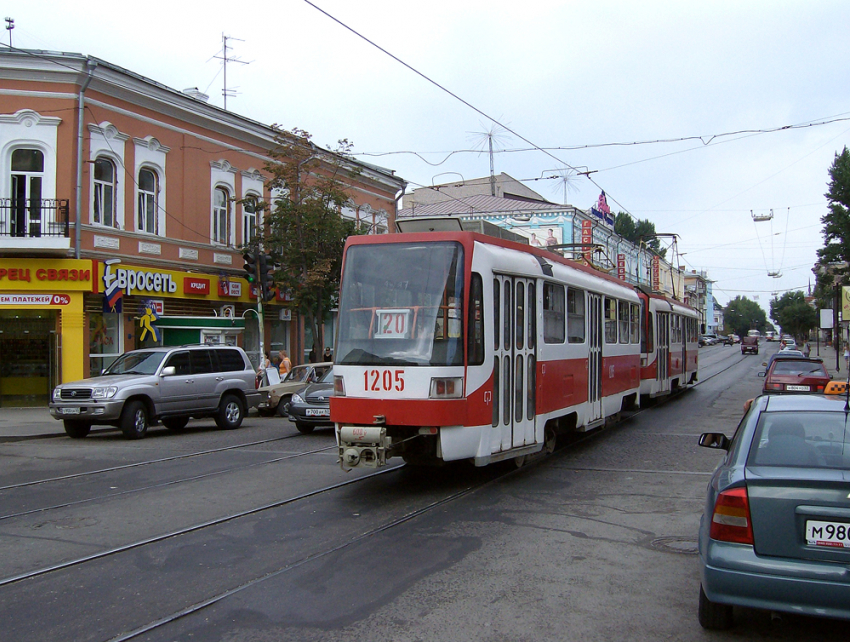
[845,303]
[54,275]
[155,282]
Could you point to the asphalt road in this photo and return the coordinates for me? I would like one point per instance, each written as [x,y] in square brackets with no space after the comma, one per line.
[256,534]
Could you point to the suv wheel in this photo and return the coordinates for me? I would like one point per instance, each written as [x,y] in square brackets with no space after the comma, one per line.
[134,420]
[175,423]
[76,429]
[230,412]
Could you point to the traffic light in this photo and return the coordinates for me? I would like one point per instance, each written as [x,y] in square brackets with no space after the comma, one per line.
[250,266]
[266,269]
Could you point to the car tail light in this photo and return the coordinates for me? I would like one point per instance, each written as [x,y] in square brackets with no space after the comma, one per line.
[731,520]
[774,386]
[446,388]
[339,386]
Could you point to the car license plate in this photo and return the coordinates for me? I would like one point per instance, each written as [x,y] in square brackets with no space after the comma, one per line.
[829,534]
[318,412]
[797,388]
[70,411]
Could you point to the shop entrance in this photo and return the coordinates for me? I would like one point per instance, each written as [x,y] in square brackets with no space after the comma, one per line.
[29,357]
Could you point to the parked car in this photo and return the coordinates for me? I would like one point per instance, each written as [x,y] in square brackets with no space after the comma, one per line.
[750,344]
[311,405]
[707,340]
[775,532]
[167,384]
[795,375]
[277,395]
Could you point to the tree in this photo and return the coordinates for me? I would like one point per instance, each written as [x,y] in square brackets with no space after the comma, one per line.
[793,314]
[304,230]
[834,256]
[637,232]
[742,315]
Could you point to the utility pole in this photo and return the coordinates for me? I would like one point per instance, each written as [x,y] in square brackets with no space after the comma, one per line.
[10,24]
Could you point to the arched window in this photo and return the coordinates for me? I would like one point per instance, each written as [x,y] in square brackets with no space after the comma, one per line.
[104,192]
[221,216]
[27,178]
[249,218]
[148,206]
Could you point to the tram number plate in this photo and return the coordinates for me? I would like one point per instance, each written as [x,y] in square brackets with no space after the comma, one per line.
[393,324]
[317,412]
[70,411]
[797,388]
[829,534]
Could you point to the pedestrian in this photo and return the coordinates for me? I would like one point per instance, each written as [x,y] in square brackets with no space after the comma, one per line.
[312,356]
[284,365]
[265,363]
[847,357]
[327,356]
[806,350]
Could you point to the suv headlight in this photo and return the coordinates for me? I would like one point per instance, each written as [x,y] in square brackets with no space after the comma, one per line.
[104,393]
[57,393]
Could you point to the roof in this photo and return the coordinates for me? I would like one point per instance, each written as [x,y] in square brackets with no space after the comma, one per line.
[482,204]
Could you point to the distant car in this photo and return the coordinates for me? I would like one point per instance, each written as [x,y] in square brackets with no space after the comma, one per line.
[775,532]
[278,394]
[732,339]
[787,344]
[750,344]
[311,406]
[708,340]
[795,375]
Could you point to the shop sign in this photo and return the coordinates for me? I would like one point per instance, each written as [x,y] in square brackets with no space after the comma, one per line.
[141,280]
[34,299]
[621,267]
[49,274]
[656,273]
[229,288]
[192,285]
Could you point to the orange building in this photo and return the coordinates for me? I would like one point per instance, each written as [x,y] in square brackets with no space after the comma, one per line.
[120,199]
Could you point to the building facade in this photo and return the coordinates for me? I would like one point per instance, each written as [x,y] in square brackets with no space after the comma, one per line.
[124,207]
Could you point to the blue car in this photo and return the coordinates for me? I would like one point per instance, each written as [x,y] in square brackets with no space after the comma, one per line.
[775,533]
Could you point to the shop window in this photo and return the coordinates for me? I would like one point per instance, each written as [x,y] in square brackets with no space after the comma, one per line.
[148,202]
[104,192]
[104,340]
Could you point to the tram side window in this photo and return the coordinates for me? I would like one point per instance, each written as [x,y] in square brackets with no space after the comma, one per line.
[634,322]
[647,341]
[610,320]
[475,349]
[532,316]
[575,316]
[623,320]
[677,329]
[497,290]
[554,315]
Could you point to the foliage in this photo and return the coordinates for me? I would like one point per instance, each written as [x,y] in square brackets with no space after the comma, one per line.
[835,255]
[793,314]
[638,232]
[304,230]
[742,315]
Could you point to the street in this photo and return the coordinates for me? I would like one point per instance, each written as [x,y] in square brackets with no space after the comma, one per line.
[256,534]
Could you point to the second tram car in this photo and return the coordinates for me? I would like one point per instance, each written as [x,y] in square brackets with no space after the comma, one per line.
[457,345]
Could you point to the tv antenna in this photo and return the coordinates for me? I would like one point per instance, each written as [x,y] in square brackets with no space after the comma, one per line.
[225,59]
[10,24]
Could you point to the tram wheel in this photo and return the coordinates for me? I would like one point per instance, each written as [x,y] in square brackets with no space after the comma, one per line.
[550,439]
[519,462]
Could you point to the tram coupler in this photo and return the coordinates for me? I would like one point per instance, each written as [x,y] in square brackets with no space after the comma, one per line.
[364,446]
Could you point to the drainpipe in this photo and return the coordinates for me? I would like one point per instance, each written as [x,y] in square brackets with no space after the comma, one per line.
[90,67]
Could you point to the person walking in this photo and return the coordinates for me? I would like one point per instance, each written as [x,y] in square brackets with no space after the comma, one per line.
[806,350]
[265,364]
[327,356]
[284,365]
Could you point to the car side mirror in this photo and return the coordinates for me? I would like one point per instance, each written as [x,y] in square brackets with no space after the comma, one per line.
[168,371]
[715,440]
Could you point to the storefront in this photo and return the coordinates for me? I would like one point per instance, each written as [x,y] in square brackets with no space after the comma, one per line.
[41,326]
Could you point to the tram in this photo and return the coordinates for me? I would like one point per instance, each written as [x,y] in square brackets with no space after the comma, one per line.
[454,345]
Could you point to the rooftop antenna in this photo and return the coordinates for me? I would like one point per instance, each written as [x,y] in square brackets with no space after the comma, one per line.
[224,58]
[10,24]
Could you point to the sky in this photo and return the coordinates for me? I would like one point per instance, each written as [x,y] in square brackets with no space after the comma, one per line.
[694,116]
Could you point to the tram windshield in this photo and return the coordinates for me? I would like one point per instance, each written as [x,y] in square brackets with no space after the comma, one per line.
[402,304]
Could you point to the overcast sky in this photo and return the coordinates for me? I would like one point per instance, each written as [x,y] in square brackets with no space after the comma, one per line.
[572,78]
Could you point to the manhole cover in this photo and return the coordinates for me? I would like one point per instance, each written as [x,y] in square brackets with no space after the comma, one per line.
[683,545]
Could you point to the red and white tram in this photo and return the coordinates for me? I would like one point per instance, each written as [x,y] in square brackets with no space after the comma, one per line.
[457,345]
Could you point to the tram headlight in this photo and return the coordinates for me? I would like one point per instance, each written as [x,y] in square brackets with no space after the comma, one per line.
[446,388]
[104,393]
[339,386]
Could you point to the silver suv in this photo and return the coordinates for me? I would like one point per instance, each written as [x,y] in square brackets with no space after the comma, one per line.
[168,384]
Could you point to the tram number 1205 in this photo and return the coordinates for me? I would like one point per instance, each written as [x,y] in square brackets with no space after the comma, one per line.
[383,380]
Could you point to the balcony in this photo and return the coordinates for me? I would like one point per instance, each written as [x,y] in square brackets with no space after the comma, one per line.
[34,224]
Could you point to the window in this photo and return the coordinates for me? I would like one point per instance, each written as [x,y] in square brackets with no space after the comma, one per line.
[623,320]
[475,348]
[634,323]
[148,206]
[104,192]
[520,314]
[249,219]
[575,316]
[221,216]
[610,317]
[554,316]
[27,179]
[496,310]
[104,340]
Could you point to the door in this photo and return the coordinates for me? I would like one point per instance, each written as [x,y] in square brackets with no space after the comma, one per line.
[662,371]
[515,364]
[178,392]
[594,359]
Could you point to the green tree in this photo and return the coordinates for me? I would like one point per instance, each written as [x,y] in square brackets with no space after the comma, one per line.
[793,314]
[638,231]
[742,315]
[834,256]
[304,230]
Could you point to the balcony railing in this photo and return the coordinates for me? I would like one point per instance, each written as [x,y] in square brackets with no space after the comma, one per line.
[33,217]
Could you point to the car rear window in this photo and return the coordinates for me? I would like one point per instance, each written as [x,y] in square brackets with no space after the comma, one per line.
[799,368]
[230,360]
[808,439]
